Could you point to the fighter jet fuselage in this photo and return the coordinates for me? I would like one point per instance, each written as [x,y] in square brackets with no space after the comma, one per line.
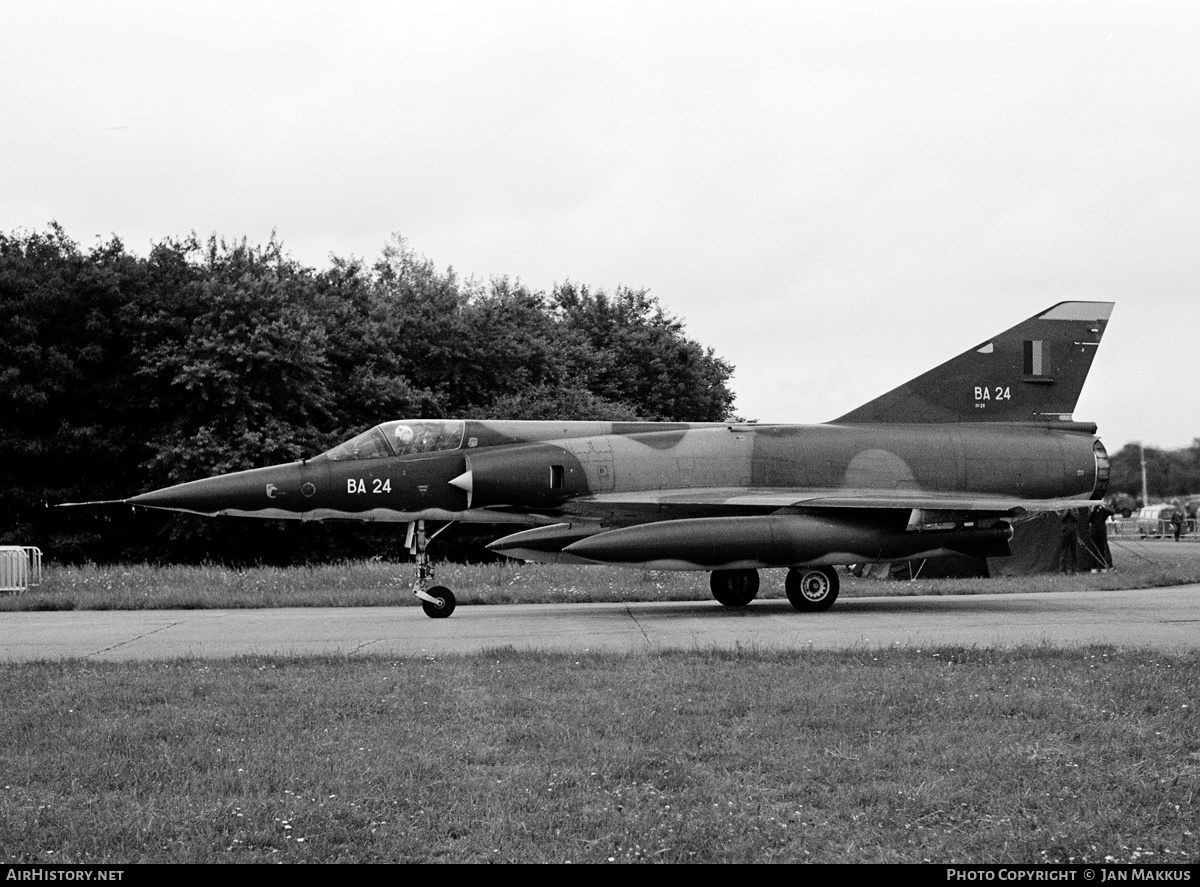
[616,472]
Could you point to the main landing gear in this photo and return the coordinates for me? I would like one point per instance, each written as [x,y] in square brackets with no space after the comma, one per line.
[438,601]
[734,588]
[810,589]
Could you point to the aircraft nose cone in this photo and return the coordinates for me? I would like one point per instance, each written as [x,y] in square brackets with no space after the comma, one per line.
[260,489]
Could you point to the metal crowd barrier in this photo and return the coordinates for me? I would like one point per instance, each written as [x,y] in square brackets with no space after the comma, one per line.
[1131,527]
[20,567]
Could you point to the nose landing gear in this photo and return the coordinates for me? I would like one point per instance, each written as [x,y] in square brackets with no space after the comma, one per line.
[437,602]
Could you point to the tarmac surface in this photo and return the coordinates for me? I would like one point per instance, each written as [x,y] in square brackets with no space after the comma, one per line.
[1166,619]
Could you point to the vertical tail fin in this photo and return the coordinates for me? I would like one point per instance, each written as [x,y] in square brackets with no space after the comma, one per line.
[1030,373]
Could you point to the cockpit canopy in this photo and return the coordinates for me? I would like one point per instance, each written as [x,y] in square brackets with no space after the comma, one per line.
[402,438]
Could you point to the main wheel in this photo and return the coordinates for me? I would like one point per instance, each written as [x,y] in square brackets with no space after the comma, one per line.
[811,589]
[445,603]
[734,588]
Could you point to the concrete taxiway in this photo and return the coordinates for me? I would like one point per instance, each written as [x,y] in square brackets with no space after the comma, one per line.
[1162,618]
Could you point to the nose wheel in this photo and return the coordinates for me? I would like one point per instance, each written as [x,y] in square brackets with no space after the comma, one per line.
[437,602]
[442,604]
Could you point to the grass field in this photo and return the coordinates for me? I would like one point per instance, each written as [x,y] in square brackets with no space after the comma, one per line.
[900,755]
[885,756]
[378,584]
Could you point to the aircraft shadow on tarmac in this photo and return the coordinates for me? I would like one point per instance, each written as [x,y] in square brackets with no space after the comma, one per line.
[907,605]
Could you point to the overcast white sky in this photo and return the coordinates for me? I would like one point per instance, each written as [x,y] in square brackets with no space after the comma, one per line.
[835,196]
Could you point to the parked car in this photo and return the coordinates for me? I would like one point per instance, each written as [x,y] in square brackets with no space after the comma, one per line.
[1155,520]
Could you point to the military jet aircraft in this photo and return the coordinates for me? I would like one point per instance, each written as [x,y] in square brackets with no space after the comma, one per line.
[940,465]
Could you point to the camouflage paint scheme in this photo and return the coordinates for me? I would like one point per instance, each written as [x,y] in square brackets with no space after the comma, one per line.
[935,466]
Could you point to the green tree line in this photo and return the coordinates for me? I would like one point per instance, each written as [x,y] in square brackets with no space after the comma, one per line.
[121,374]
[1170,474]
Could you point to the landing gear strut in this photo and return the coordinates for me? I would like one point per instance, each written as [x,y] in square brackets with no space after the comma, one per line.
[811,589]
[734,588]
[437,602]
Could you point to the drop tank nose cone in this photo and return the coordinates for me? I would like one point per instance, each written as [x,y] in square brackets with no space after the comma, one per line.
[259,489]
